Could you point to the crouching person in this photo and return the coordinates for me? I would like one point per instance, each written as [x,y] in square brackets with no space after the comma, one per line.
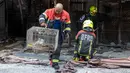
[85,42]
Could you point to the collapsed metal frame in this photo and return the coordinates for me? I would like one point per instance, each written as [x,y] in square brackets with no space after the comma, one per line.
[119,21]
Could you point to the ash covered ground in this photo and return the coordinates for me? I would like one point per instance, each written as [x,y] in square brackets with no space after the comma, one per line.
[66,54]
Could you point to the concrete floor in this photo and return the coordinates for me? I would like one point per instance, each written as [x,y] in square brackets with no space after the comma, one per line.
[25,68]
[22,68]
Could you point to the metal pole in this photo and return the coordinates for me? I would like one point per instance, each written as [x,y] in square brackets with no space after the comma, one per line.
[49,3]
[119,26]
[119,34]
[102,31]
[69,6]
[97,41]
[6,19]
[55,1]
[20,7]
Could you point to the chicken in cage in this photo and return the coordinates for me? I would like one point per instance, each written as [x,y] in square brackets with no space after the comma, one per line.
[39,37]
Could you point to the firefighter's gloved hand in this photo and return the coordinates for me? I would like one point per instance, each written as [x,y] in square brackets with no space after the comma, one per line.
[67,29]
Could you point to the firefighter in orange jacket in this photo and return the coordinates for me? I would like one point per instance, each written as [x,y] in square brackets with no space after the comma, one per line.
[56,18]
[85,42]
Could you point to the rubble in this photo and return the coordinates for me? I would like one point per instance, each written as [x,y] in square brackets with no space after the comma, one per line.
[14,44]
[112,44]
[67,68]
[6,57]
[128,45]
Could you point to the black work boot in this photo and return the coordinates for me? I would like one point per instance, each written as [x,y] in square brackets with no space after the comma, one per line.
[55,65]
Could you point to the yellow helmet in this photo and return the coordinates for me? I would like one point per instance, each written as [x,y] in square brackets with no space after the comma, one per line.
[93,10]
[87,23]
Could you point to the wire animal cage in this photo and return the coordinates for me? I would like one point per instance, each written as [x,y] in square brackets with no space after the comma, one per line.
[39,37]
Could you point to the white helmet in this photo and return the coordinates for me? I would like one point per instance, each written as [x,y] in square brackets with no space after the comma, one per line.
[87,23]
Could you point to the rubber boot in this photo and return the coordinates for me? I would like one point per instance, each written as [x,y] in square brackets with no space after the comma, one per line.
[55,65]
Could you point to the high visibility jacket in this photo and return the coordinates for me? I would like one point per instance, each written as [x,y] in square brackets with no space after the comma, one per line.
[50,15]
[85,42]
[86,17]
